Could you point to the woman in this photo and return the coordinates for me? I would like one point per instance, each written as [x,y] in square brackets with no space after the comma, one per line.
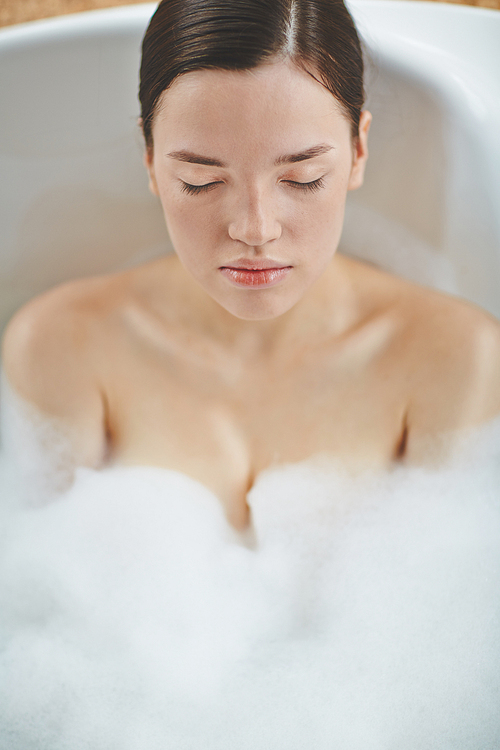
[256,344]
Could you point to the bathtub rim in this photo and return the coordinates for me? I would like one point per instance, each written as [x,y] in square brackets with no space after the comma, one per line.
[94,18]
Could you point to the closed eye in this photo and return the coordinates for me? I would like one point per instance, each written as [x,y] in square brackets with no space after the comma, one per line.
[314,185]
[194,189]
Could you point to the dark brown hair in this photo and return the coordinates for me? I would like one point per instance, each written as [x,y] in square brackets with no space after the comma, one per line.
[187,35]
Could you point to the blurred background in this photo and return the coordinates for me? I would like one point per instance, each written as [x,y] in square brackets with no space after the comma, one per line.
[19,11]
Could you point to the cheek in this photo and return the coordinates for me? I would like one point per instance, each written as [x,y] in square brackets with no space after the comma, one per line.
[188,223]
[321,217]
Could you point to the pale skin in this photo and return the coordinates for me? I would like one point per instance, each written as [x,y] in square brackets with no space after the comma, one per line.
[169,364]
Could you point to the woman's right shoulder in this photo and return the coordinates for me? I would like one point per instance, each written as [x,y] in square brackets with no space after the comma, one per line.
[53,322]
[47,359]
[63,316]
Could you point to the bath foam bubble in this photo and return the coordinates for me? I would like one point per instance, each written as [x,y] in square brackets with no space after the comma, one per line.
[36,455]
[361,614]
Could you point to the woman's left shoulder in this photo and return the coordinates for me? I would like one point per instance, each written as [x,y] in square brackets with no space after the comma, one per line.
[454,326]
[454,350]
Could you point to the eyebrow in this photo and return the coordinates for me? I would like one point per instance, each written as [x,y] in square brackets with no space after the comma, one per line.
[309,153]
[208,161]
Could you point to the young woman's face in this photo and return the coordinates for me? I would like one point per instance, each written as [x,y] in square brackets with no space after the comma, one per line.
[252,169]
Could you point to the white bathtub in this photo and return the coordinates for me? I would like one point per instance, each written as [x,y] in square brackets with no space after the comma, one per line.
[379,633]
[73,191]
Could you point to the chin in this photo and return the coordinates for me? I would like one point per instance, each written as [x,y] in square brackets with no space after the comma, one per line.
[265,311]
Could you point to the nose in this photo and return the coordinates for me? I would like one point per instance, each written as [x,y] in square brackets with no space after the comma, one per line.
[254,220]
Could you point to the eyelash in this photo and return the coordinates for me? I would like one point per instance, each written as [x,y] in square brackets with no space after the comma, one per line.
[196,189]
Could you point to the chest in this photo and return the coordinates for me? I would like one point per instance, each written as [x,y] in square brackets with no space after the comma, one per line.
[223,423]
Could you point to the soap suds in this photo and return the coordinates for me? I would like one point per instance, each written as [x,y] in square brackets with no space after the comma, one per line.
[365,615]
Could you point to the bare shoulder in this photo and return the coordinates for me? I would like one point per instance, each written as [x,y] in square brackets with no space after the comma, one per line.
[445,352]
[452,351]
[47,359]
[47,332]
[56,347]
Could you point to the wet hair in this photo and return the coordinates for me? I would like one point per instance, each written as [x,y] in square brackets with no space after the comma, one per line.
[188,35]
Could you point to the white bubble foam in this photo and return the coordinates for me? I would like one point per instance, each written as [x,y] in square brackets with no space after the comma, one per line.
[364,616]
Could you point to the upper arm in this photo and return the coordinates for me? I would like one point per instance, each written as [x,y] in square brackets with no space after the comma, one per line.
[46,361]
[458,388]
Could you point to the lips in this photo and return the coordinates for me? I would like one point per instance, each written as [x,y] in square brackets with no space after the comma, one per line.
[255,277]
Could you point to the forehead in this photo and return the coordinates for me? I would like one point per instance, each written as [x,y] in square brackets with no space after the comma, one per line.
[271,106]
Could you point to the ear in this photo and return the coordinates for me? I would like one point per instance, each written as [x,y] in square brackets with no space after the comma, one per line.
[360,152]
[148,161]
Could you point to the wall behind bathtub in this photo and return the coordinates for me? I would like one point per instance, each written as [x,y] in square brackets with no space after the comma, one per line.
[20,11]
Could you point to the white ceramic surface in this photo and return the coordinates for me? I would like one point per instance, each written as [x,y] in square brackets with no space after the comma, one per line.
[73,191]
